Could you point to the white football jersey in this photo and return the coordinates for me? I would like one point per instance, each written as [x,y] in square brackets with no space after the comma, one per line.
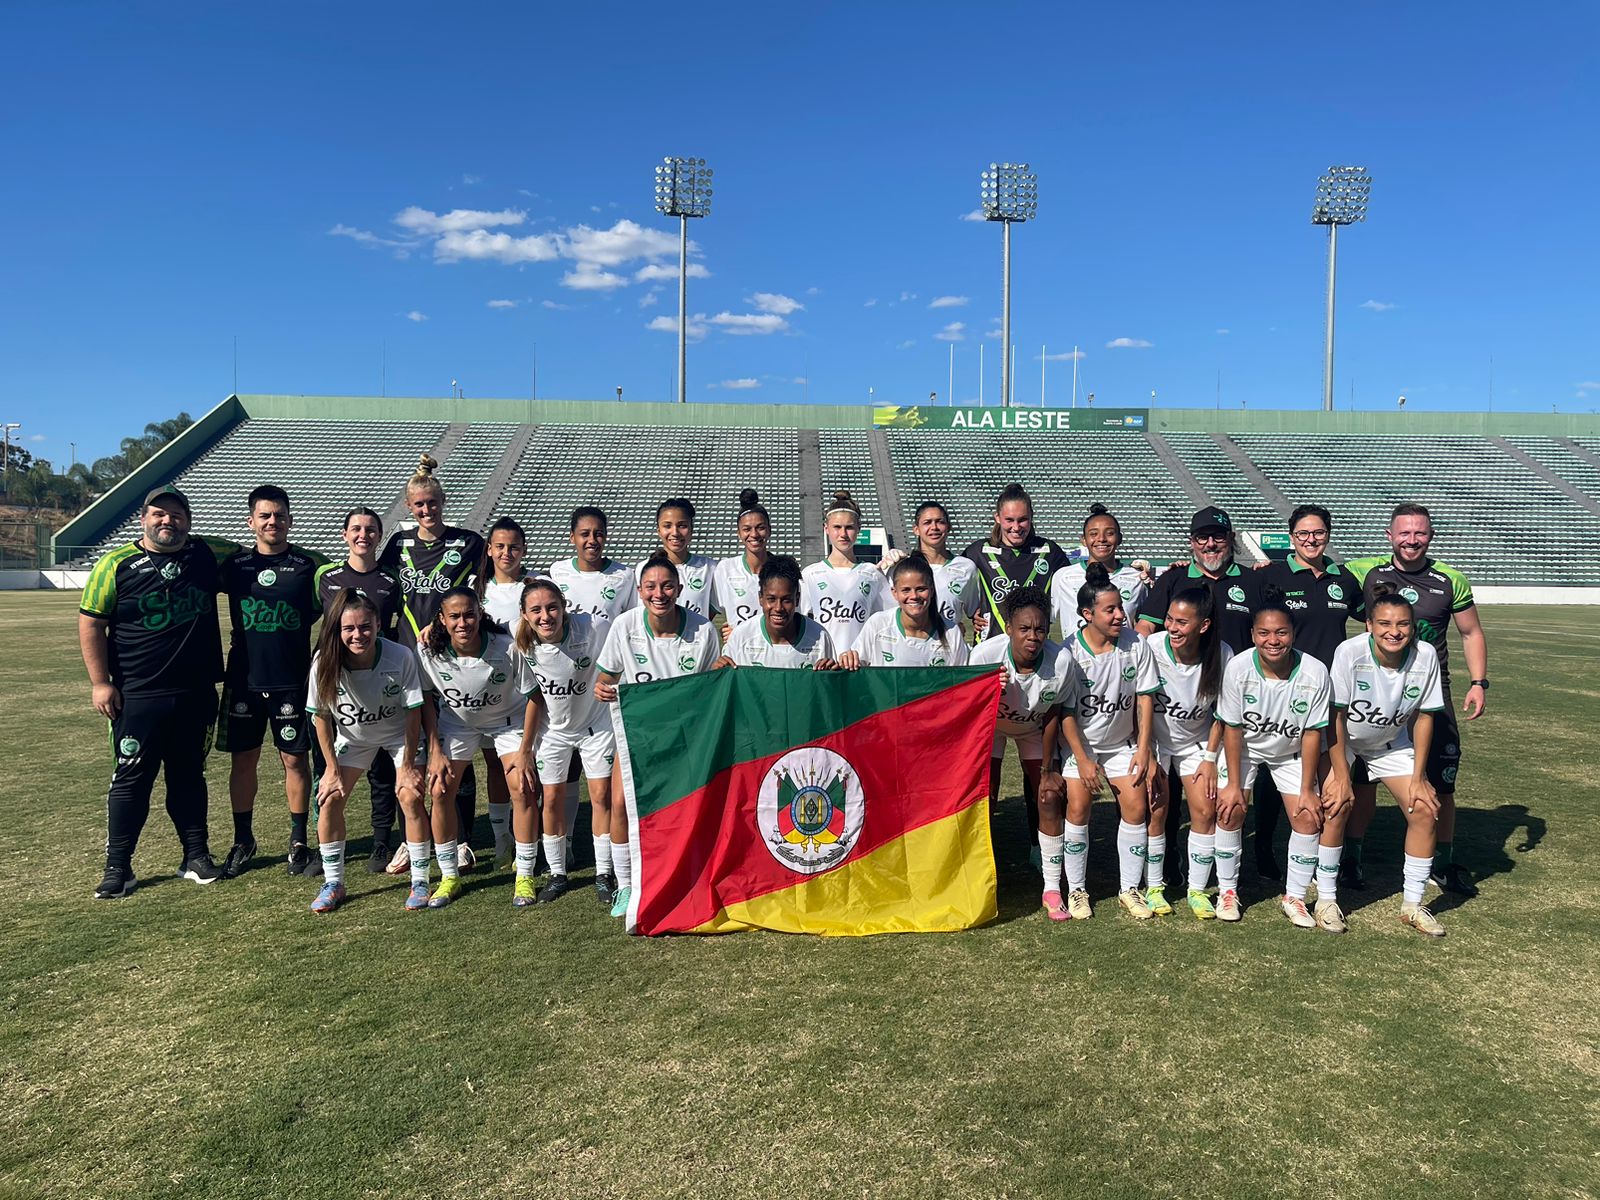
[1274,713]
[1027,700]
[956,585]
[736,591]
[503,602]
[635,655]
[750,645]
[371,707]
[697,578]
[566,671]
[1182,721]
[883,643]
[1064,585]
[1378,702]
[842,598]
[604,594]
[485,693]
[1113,681]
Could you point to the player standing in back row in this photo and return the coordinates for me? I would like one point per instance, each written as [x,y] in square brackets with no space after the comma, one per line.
[273,600]
[840,593]
[1013,557]
[1437,593]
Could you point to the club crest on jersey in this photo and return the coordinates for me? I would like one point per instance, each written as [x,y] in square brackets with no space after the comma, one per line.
[1412,691]
[810,810]
[1236,594]
[1129,671]
[128,747]
[451,558]
[497,676]
[391,688]
[583,662]
[1335,592]
[1299,706]
[686,662]
[1411,594]
[865,587]
[1048,697]
[287,732]
[170,570]
[696,582]
[888,656]
[267,578]
[608,592]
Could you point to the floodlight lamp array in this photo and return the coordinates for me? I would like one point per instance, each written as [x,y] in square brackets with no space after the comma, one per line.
[683,187]
[1008,191]
[1342,196]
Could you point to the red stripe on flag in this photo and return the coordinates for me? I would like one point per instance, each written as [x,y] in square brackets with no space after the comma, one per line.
[918,763]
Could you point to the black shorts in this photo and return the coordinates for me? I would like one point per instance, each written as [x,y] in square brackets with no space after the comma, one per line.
[245,717]
[1444,752]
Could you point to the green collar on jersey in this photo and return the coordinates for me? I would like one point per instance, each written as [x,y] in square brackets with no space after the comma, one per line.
[604,563]
[1196,573]
[1082,641]
[1328,565]
[483,645]
[799,629]
[900,624]
[1255,659]
[1033,670]
[1405,663]
[683,619]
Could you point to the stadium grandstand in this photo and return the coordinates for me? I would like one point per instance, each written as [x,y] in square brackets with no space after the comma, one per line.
[1516,496]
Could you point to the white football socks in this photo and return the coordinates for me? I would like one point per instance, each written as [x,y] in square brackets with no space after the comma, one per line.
[602,854]
[1050,856]
[1131,839]
[622,865]
[332,861]
[527,860]
[1415,876]
[1202,853]
[1328,873]
[1302,864]
[1075,856]
[500,822]
[445,852]
[555,854]
[1228,846]
[418,853]
[1155,860]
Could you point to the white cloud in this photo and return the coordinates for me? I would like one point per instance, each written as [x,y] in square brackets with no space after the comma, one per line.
[649,299]
[414,315]
[870,303]
[949,302]
[1220,331]
[905,296]
[975,215]
[36,438]
[739,385]
[953,332]
[696,329]
[588,277]
[479,245]
[773,302]
[666,272]
[624,241]
[1588,386]
[457,220]
[554,305]
[469,180]
[813,291]
[1067,356]
[1377,305]
[800,380]
[504,303]
[1127,343]
[366,238]
[749,324]
[907,344]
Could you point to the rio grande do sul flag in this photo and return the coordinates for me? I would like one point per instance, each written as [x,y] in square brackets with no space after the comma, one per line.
[810,802]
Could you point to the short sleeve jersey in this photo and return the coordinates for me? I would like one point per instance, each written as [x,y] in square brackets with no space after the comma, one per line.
[956,585]
[1378,701]
[274,601]
[487,692]
[427,570]
[884,643]
[1028,698]
[604,594]
[1233,593]
[841,599]
[634,654]
[1064,587]
[1274,713]
[696,578]
[503,602]
[1319,605]
[1436,591]
[161,610]
[371,706]
[750,645]
[1183,720]
[736,591]
[380,585]
[566,671]
[1113,682]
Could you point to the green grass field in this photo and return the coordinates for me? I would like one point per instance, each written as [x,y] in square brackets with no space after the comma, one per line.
[225,1042]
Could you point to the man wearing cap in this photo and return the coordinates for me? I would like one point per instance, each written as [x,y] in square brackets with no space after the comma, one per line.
[1233,590]
[147,626]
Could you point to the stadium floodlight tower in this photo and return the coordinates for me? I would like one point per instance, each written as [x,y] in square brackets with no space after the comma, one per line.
[1341,200]
[683,190]
[1009,193]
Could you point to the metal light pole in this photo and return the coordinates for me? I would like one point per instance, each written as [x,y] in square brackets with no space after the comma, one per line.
[683,190]
[1341,200]
[1008,193]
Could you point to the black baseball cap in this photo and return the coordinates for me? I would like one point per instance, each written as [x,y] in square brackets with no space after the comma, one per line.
[1210,518]
[166,492]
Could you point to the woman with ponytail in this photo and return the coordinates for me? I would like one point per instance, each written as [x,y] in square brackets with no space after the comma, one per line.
[914,633]
[736,587]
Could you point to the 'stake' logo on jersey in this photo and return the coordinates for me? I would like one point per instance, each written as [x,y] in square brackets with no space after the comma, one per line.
[810,810]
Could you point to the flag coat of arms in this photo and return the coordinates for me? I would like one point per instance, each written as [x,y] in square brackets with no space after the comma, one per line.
[824,802]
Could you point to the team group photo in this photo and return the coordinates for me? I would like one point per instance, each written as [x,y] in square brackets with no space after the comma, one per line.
[783,603]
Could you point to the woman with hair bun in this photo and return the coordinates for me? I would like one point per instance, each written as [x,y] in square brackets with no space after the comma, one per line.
[913,634]
[780,635]
[1102,538]
[839,593]
[736,586]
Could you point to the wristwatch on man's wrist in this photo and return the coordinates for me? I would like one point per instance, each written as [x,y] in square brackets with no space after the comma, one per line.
[1481,683]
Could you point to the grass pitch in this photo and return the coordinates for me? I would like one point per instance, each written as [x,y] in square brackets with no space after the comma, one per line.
[225,1042]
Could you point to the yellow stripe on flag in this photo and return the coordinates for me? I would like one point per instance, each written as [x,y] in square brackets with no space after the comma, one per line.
[937,878]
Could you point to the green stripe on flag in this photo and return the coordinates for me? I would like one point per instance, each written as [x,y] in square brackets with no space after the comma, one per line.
[682,732]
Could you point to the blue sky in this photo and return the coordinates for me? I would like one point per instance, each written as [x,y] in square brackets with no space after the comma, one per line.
[181,175]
